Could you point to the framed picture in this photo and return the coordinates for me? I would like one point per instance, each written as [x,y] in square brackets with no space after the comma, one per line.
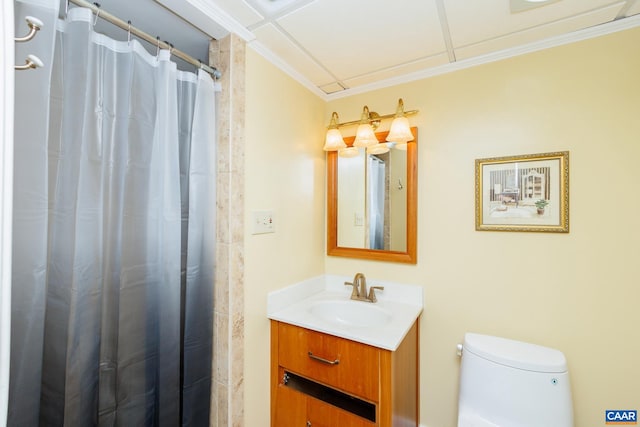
[523,193]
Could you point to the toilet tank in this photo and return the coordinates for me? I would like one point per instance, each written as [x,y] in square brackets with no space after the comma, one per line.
[508,383]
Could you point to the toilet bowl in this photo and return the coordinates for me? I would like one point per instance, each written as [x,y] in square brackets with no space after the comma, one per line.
[506,383]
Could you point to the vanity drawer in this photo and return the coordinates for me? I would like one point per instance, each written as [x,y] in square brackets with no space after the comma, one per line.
[336,362]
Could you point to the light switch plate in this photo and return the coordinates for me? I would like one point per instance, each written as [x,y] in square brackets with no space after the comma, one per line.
[263,222]
[358,219]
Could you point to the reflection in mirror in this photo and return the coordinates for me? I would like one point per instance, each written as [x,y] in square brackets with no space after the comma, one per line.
[372,203]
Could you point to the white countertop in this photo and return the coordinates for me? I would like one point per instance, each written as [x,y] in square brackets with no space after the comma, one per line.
[293,305]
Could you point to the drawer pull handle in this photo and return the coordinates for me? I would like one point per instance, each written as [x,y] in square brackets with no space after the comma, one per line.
[320,359]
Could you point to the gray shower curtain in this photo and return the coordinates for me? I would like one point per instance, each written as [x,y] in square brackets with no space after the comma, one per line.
[114,235]
[376,192]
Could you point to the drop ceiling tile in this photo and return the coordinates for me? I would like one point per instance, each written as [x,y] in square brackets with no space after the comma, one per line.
[539,33]
[351,38]
[332,88]
[635,9]
[473,21]
[398,71]
[272,39]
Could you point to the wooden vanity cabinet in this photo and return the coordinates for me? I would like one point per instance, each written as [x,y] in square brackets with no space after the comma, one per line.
[320,380]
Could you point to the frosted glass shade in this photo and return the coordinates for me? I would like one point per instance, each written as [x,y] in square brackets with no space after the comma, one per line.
[378,148]
[334,140]
[365,136]
[349,152]
[400,130]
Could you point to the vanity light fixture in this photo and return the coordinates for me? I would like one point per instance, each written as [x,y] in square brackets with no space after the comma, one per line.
[399,134]
[400,130]
[349,152]
[365,136]
[380,148]
[334,140]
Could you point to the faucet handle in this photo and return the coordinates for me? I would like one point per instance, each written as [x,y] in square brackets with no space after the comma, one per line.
[372,293]
[354,292]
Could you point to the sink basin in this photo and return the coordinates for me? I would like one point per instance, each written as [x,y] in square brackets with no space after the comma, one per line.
[322,304]
[351,313]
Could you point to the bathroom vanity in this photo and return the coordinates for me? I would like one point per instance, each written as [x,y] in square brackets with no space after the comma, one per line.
[322,380]
[336,362]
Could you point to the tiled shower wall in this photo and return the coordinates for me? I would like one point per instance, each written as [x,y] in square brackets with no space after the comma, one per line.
[227,389]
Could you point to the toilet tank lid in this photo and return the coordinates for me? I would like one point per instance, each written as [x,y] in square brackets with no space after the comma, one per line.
[516,354]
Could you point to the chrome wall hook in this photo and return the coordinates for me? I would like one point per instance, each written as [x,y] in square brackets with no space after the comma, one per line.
[34,26]
[32,61]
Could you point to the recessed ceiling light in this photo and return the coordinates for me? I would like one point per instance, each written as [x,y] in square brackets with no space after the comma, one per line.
[524,5]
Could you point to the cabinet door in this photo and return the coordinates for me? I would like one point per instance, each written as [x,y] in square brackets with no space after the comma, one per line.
[291,408]
[321,414]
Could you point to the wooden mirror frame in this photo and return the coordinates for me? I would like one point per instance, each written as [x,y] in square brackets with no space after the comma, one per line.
[410,256]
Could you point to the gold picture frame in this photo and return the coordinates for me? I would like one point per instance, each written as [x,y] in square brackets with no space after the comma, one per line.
[523,193]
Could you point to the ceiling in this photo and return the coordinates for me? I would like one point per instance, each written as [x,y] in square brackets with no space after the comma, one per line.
[340,47]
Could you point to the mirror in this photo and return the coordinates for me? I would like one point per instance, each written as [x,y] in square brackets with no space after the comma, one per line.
[372,203]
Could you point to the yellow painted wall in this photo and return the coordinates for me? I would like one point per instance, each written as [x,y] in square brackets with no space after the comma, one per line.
[577,292]
[284,172]
[398,200]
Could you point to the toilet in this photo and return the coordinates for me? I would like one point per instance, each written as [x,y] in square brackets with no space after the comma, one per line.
[505,383]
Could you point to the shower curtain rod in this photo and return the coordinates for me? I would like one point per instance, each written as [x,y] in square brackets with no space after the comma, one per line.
[100,13]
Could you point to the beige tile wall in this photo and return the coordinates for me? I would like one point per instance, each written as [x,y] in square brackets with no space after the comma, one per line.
[227,391]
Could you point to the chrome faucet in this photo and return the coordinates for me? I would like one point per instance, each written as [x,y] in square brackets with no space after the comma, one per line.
[360,282]
[359,292]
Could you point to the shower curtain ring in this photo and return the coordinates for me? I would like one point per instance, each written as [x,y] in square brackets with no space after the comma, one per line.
[95,21]
[129,32]
[158,48]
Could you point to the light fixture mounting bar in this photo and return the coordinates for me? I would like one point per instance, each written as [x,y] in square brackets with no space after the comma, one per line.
[377,118]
